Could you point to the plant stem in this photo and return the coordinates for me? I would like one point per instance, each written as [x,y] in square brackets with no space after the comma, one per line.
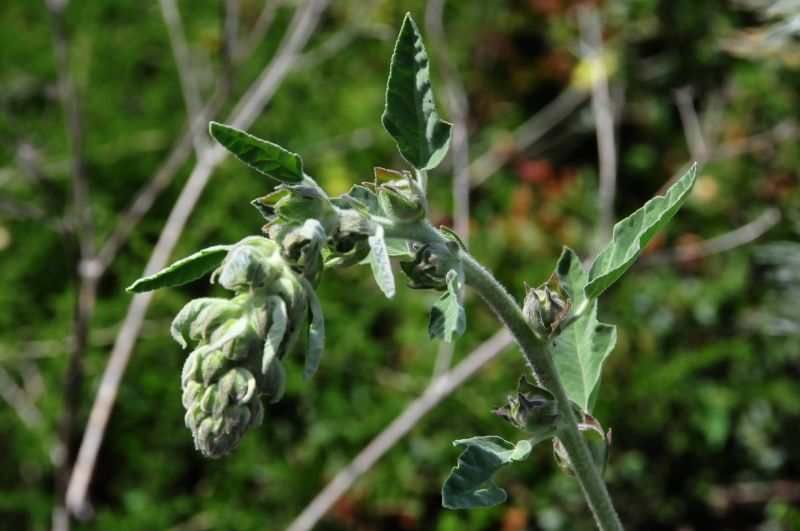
[533,347]
[509,313]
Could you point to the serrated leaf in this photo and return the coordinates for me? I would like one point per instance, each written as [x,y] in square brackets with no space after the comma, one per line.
[580,351]
[379,262]
[410,115]
[633,233]
[471,482]
[316,334]
[447,315]
[183,271]
[277,330]
[263,156]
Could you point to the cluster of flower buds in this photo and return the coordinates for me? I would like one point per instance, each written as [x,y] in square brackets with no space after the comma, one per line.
[240,344]
[314,230]
[544,308]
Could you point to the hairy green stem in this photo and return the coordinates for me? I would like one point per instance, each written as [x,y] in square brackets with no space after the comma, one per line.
[533,347]
[594,489]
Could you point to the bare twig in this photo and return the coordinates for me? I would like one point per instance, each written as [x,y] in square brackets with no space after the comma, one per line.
[230,40]
[718,244]
[18,399]
[695,139]
[18,210]
[262,24]
[438,390]
[723,498]
[186,77]
[81,213]
[527,134]
[782,132]
[300,29]
[592,44]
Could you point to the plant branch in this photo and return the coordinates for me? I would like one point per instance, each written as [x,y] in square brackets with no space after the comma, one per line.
[592,42]
[300,29]
[535,128]
[186,77]
[439,388]
[691,124]
[19,400]
[84,237]
[719,244]
[509,313]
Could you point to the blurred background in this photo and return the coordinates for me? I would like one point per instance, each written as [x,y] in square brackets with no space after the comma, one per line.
[568,116]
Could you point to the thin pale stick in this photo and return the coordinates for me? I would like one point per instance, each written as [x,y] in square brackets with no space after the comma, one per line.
[592,40]
[524,136]
[738,237]
[186,77]
[438,390]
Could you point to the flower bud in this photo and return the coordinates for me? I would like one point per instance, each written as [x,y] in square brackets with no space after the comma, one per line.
[431,263]
[253,262]
[220,401]
[543,309]
[531,408]
[402,200]
[223,379]
[349,244]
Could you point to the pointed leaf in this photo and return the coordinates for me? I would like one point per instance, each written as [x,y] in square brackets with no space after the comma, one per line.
[447,315]
[183,271]
[471,482]
[581,349]
[379,261]
[316,334]
[265,157]
[633,233]
[410,115]
[278,324]
[579,353]
[571,276]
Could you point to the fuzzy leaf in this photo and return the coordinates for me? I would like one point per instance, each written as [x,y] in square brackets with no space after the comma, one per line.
[447,315]
[265,157]
[183,271]
[471,482]
[398,248]
[633,233]
[379,261]
[410,115]
[580,351]
[316,334]
[363,199]
[571,276]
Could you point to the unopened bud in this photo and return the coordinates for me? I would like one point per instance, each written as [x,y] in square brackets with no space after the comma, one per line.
[543,309]
[403,200]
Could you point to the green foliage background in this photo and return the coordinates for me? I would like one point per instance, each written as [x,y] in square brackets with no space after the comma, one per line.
[703,399]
